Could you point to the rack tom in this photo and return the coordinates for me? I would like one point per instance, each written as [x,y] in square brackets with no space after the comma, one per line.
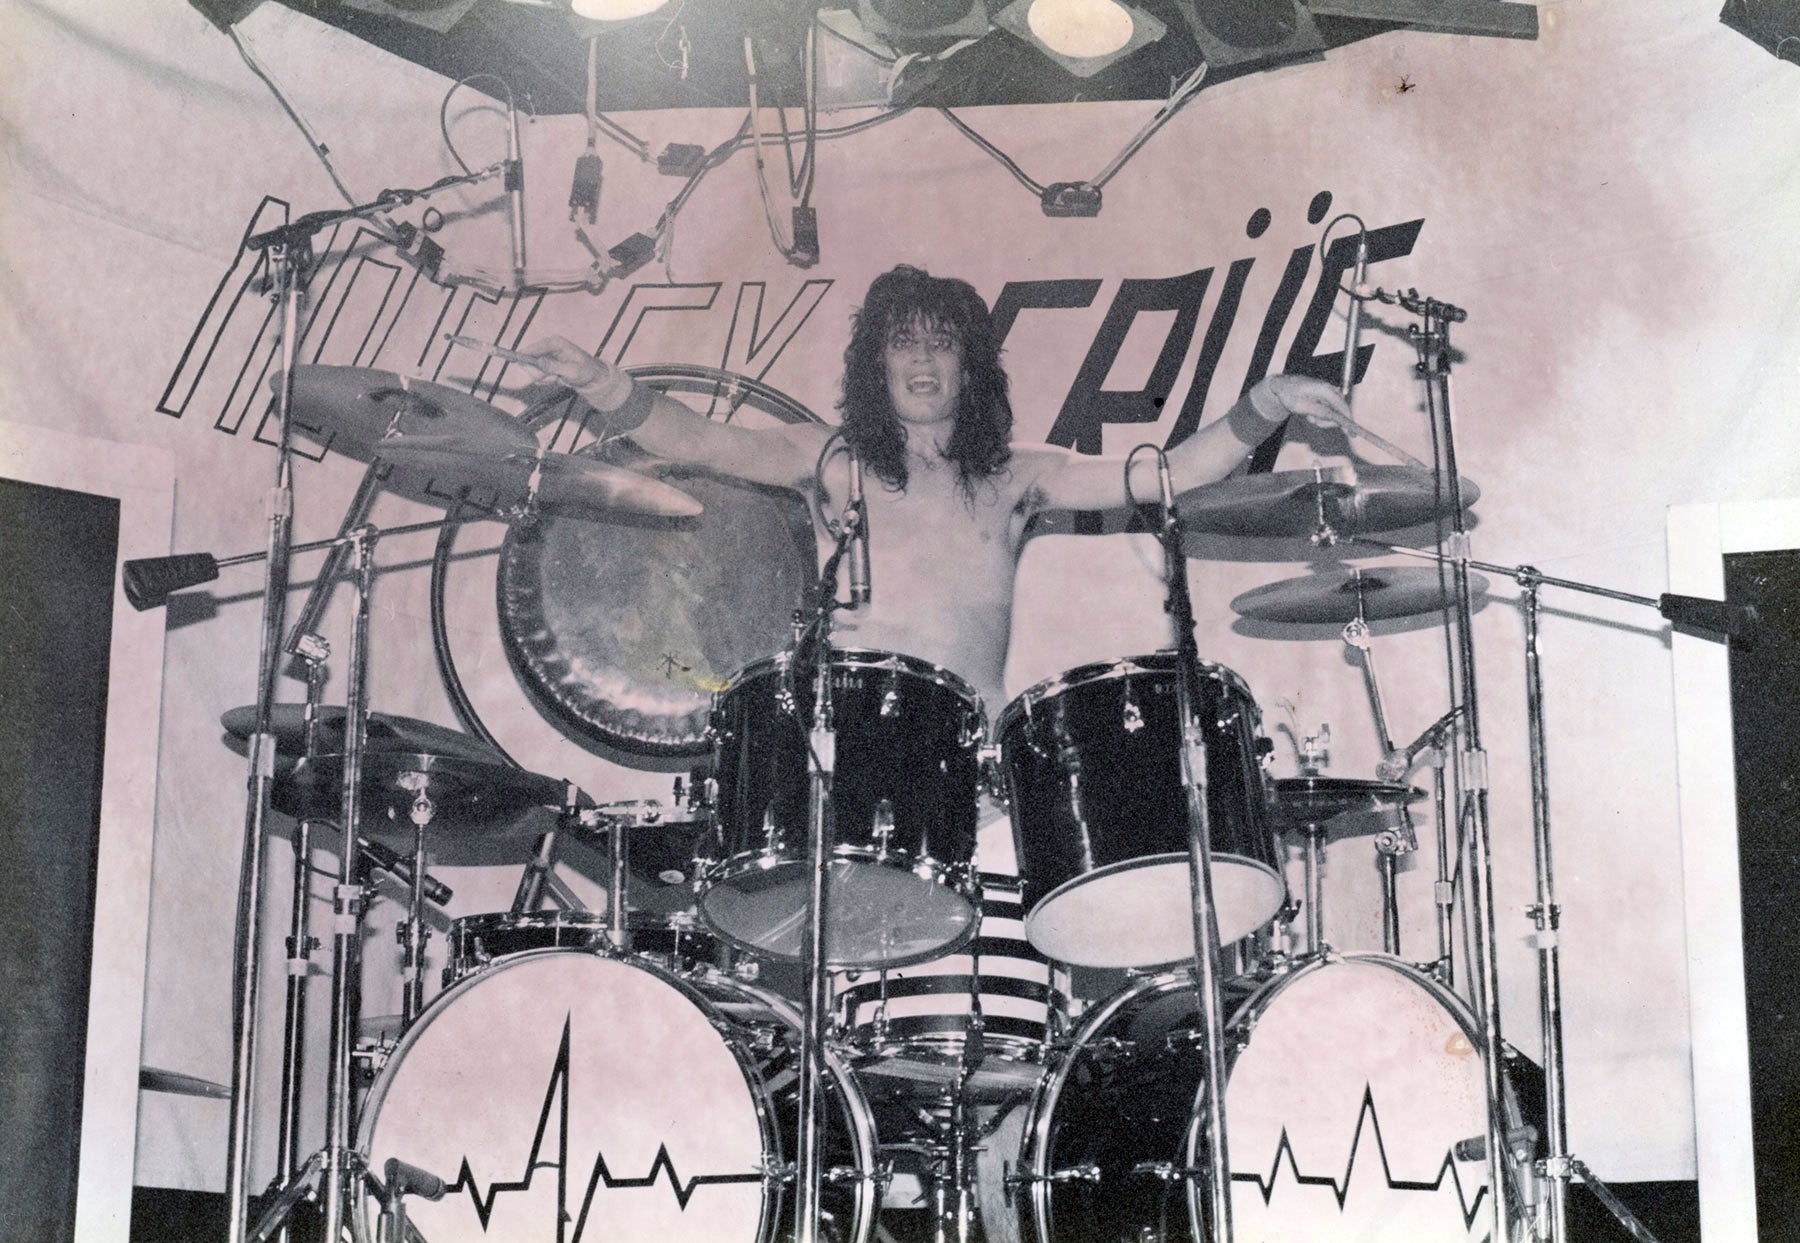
[907,769]
[1092,765]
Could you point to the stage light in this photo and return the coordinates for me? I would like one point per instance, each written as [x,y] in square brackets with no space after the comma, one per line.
[1083,36]
[923,25]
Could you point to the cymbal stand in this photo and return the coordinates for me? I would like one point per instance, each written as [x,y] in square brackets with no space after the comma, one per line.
[314,651]
[413,931]
[1215,1175]
[336,1165]
[812,634]
[1402,840]
[1558,1166]
[1431,340]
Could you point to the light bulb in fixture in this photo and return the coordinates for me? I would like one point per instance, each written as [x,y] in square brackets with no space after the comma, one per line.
[1080,28]
[614,10]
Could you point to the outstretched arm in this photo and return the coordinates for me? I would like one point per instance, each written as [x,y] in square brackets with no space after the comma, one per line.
[781,456]
[1098,483]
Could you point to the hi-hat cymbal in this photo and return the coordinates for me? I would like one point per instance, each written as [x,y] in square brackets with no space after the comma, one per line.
[1342,595]
[386,733]
[1351,500]
[468,797]
[1318,801]
[558,482]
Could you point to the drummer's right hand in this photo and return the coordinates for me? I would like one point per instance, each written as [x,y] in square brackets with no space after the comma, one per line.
[557,358]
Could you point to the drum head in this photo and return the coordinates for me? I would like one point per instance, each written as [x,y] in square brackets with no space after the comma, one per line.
[562,1093]
[1344,1108]
[1081,922]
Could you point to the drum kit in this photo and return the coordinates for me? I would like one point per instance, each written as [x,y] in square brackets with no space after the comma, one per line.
[639,1073]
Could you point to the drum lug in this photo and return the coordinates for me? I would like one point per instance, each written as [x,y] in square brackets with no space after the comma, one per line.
[1085,1172]
[890,704]
[1166,1171]
[776,1173]
[880,1177]
[1133,719]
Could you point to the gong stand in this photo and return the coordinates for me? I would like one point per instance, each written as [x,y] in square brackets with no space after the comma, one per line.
[1216,1173]
[812,639]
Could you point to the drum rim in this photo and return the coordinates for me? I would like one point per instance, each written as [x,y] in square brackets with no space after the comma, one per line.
[1103,670]
[956,877]
[863,1138]
[867,658]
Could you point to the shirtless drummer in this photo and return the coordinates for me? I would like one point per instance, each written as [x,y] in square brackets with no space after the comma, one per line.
[925,406]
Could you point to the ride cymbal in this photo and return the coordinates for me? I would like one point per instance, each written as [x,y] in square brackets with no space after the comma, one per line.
[1337,596]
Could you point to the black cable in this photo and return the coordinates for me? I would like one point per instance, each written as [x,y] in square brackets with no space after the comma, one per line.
[1005,160]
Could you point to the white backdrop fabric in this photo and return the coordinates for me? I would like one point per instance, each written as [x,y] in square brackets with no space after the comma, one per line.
[1613,203]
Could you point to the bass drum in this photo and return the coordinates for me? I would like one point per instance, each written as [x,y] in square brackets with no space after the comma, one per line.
[1352,1080]
[564,1094]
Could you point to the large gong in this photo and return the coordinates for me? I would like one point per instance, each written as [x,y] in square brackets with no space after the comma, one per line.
[620,631]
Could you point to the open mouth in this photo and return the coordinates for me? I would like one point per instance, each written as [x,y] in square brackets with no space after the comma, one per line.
[924,384]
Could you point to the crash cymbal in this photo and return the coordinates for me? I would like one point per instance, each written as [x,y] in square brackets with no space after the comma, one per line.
[1341,595]
[386,733]
[469,798]
[559,482]
[1334,801]
[1352,499]
[361,413]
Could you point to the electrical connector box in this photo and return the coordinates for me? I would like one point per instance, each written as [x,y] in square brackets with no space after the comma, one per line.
[681,159]
[806,238]
[584,191]
[632,253]
[1071,199]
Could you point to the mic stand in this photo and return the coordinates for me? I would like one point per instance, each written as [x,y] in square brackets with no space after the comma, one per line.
[1216,1173]
[814,635]
[1558,1166]
[1431,340]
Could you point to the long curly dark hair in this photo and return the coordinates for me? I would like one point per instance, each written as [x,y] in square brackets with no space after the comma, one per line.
[980,440]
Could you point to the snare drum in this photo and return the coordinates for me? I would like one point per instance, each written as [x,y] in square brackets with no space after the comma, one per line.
[910,1026]
[565,1094]
[1092,763]
[904,786]
[1352,1080]
[674,941]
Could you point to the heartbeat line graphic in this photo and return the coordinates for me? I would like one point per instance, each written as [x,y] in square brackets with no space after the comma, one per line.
[1341,1189]
[556,1094]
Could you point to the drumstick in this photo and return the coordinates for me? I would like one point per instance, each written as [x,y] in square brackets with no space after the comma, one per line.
[498,351]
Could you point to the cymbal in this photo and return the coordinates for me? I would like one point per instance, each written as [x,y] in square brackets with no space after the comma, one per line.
[362,412]
[386,733]
[560,482]
[1354,499]
[469,797]
[1374,593]
[1302,802]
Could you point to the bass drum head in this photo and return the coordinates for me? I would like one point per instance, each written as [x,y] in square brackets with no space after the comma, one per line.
[561,1082]
[568,639]
[1359,1077]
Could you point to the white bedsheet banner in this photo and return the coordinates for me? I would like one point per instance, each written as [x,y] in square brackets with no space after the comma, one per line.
[1613,203]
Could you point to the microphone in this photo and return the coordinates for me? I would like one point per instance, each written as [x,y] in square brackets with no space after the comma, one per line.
[859,539]
[1353,321]
[436,891]
[515,193]
[1396,764]
[410,1180]
[1165,484]
[1518,1140]
[1733,621]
